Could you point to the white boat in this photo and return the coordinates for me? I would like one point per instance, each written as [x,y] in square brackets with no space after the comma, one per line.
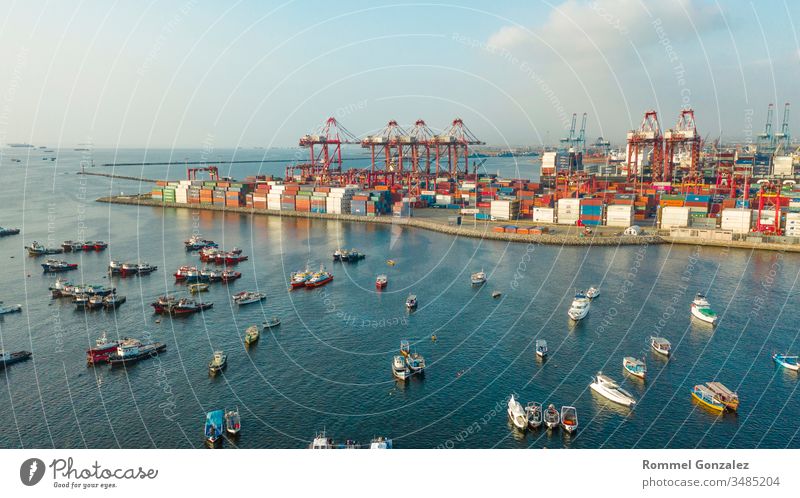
[411,302]
[271,322]
[9,308]
[478,278]
[569,418]
[634,366]
[248,297]
[380,443]
[321,442]
[701,309]
[580,307]
[541,348]
[606,387]
[786,361]
[551,417]
[533,411]
[399,368]
[593,292]
[233,422]
[516,413]
[660,345]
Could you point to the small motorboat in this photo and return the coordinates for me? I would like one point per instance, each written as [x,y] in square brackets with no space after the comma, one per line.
[551,417]
[569,418]
[516,413]
[478,278]
[8,231]
[786,361]
[593,292]
[399,368]
[716,396]
[113,300]
[606,387]
[7,359]
[9,308]
[381,281]
[391,262]
[215,424]
[55,266]
[580,307]
[411,301]
[380,443]
[218,362]
[271,323]
[496,294]
[634,366]
[233,422]
[701,309]
[541,348]
[248,297]
[533,412]
[197,287]
[251,335]
[661,345]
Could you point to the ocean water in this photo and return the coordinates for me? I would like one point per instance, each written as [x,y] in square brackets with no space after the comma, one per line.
[328,365]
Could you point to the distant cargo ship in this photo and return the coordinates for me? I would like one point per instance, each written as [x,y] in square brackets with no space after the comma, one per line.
[20,145]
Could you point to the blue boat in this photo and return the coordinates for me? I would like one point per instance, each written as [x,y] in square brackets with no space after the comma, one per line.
[215,425]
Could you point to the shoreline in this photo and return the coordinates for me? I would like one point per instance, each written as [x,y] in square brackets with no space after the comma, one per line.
[484,232]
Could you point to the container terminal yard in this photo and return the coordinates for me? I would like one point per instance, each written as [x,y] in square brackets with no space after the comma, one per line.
[666,186]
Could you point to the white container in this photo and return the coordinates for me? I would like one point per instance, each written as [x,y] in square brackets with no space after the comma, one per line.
[674,217]
[543,215]
[782,166]
[736,220]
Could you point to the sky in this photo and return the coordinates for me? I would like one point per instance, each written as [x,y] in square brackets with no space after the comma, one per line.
[197,73]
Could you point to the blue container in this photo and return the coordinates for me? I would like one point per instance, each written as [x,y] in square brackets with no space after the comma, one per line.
[741,203]
[592,222]
[481,216]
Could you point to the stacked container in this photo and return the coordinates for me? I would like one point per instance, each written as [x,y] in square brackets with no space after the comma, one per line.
[504,209]
[568,211]
[591,212]
[737,220]
[621,216]
[674,217]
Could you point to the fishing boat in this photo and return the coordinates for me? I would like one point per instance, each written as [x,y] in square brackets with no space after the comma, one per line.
[233,422]
[9,308]
[251,335]
[248,297]
[345,256]
[187,273]
[101,350]
[230,276]
[787,361]
[399,368]
[411,301]
[551,417]
[209,275]
[55,266]
[197,287]
[61,288]
[516,413]
[81,300]
[381,281]
[414,360]
[319,278]
[701,309]
[533,412]
[321,442]
[569,418]
[271,323]
[37,249]
[182,306]
[478,278]
[8,231]
[606,387]
[580,307]
[380,443]
[115,267]
[7,359]
[113,300]
[95,302]
[661,346]
[716,396]
[593,292]
[197,242]
[95,245]
[132,351]
[218,362]
[299,278]
[71,245]
[634,366]
[215,424]
[541,348]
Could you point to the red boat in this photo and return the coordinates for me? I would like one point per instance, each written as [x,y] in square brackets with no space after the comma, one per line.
[319,279]
[381,281]
[230,275]
[186,273]
[104,348]
[181,307]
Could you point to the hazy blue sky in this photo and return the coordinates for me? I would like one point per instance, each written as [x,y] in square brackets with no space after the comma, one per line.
[190,73]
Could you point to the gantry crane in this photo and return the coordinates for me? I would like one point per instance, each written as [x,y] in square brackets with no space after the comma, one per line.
[782,138]
[683,138]
[765,141]
[325,151]
[648,136]
[451,147]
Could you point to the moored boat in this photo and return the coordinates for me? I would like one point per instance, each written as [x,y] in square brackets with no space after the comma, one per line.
[716,396]
[516,413]
[113,300]
[132,351]
[197,287]
[381,281]
[786,361]
[399,368]
[8,231]
[319,278]
[478,278]
[411,301]
[9,308]
[37,249]
[233,422]
[533,412]
[55,266]
[551,417]
[115,267]
[345,256]
[580,307]
[80,300]
[414,360]
[197,242]
[230,276]
[218,362]
[95,302]
[321,442]
[606,387]
[380,443]
[7,358]
[251,335]
[179,307]
[299,278]
[661,345]
[215,425]
[101,350]
[271,323]
[634,366]
[248,297]
[569,418]
[701,309]
[187,273]
[593,292]
[541,348]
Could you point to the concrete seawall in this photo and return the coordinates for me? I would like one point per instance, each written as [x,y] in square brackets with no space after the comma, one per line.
[462,231]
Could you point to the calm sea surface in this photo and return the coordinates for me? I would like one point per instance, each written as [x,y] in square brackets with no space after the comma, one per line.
[328,365]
